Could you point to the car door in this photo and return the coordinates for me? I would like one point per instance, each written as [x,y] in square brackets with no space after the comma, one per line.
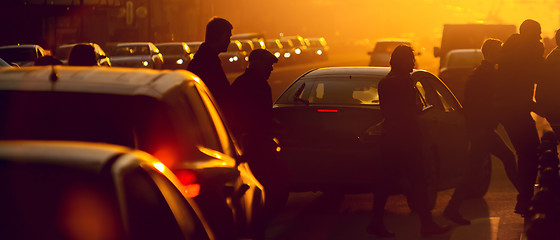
[444,129]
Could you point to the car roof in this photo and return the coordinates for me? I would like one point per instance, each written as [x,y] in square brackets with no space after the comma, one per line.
[84,155]
[133,43]
[394,40]
[169,43]
[21,46]
[465,51]
[348,71]
[118,81]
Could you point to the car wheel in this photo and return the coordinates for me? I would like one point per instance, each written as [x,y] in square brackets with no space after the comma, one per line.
[482,180]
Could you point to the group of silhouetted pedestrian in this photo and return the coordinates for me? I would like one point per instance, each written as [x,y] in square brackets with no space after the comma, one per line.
[499,91]
[247,108]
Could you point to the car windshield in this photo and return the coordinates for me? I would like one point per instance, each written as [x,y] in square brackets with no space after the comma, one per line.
[272,45]
[171,49]
[18,54]
[287,43]
[63,52]
[131,50]
[387,47]
[233,47]
[464,59]
[194,47]
[333,91]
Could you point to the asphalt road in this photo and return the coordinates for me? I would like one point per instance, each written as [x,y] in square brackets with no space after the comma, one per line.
[317,216]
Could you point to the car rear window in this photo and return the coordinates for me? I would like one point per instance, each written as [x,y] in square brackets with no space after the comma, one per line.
[333,91]
[19,54]
[131,50]
[139,122]
[171,49]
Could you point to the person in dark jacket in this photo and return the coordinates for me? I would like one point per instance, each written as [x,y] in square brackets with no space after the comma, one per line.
[252,124]
[481,128]
[207,65]
[399,101]
[519,67]
[548,88]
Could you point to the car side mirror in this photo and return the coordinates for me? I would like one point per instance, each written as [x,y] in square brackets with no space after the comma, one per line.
[101,57]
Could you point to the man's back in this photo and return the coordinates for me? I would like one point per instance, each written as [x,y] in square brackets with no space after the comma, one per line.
[206,65]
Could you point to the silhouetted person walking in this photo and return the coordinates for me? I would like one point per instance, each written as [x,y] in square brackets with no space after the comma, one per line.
[82,55]
[401,145]
[207,65]
[252,124]
[518,69]
[481,129]
[548,88]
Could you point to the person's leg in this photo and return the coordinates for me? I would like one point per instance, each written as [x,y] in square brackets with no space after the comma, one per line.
[501,150]
[376,225]
[523,134]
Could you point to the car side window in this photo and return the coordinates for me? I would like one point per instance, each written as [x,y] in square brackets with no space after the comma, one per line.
[429,94]
[148,214]
[207,132]
[185,215]
[437,94]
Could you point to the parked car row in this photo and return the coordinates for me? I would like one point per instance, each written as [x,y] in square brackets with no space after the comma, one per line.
[168,115]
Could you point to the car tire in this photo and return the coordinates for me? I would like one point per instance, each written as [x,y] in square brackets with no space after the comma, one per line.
[482,180]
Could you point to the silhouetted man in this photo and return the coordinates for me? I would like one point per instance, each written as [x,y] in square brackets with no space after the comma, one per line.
[252,124]
[548,88]
[207,65]
[481,128]
[518,69]
[401,145]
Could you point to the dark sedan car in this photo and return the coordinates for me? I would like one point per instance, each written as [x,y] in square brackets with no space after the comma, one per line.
[169,114]
[21,54]
[63,52]
[330,120]
[176,55]
[136,55]
[78,190]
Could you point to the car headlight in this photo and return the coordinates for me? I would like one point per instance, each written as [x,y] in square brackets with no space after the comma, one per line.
[180,61]
[319,52]
[287,55]
[298,51]
[235,58]
[247,58]
[145,63]
[277,54]
[230,59]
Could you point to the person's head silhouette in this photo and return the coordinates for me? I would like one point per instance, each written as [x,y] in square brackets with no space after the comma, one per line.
[491,49]
[218,33]
[530,29]
[82,55]
[402,59]
[261,61]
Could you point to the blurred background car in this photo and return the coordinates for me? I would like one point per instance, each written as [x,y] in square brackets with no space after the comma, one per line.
[171,115]
[458,65]
[382,51]
[257,39]
[302,53]
[275,47]
[136,55]
[319,48]
[235,58]
[194,46]
[331,124]
[63,52]
[176,55]
[21,54]
[289,50]
[78,190]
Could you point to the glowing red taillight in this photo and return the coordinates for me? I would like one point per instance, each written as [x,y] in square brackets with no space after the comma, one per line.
[188,179]
[327,110]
